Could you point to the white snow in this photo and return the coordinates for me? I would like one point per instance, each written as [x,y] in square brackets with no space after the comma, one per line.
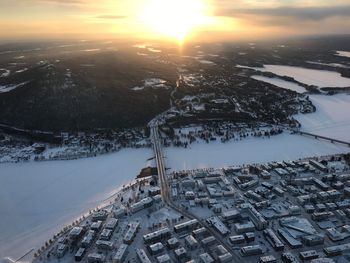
[281,83]
[90,50]
[154,82]
[343,54]
[331,118]
[4,72]
[38,199]
[252,150]
[154,50]
[8,88]
[207,62]
[151,83]
[21,70]
[138,88]
[320,78]
[334,65]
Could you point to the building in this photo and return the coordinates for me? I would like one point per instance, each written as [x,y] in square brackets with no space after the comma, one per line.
[76,233]
[146,202]
[111,224]
[208,241]
[308,255]
[274,241]
[257,218]
[230,215]
[268,259]
[186,226]
[217,224]
[239,239]
[200,233]
[288,257]
[131,232]
[80,254]
[157,236]
[96,258]
[96,225]
[173,243]
[105,245]
[206,258]
[61,250]
[120,212]
[121,253]
[164,259]
[251,250]
[291,241]
[99,215]
[154,191]
[88,239]
[106,234]
[180,253]
[156,248]
[244,227]
[191,242]
[142,256]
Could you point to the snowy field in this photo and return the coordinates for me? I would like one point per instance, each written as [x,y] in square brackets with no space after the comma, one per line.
[9,88]
[251,150]
[319,78]
[343,54]
[281,83]
[331,118]
[38,199]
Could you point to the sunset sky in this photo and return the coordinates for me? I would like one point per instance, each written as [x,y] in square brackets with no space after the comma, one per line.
[173,19]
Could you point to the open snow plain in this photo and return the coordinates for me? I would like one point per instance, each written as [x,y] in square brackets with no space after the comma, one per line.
[38,198]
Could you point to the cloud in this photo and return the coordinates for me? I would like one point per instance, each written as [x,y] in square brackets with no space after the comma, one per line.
[112,17]
[307,13]
[63,2]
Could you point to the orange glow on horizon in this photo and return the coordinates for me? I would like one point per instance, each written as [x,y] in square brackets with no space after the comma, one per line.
[176,19]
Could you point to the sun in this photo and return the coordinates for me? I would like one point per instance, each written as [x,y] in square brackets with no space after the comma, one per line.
[174,18]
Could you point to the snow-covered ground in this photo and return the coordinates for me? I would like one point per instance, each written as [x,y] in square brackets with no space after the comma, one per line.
[252,150]
[343,54]
[334,65]
[151,83]
[281,83]
[331,118]
[320,78]
[4,72]
[207,62]
[38,198]
[9,88]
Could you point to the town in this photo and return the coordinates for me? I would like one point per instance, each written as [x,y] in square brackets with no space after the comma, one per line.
[290,211]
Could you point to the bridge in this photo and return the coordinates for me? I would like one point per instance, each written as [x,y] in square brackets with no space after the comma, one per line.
[321,137]
[165,192]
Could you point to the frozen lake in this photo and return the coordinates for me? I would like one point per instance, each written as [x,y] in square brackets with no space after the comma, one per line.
[319,78]
[251,150]
[331,118]
[38,199]
[281,83]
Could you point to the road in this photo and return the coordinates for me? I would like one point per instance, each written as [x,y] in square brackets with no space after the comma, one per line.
[165,191]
